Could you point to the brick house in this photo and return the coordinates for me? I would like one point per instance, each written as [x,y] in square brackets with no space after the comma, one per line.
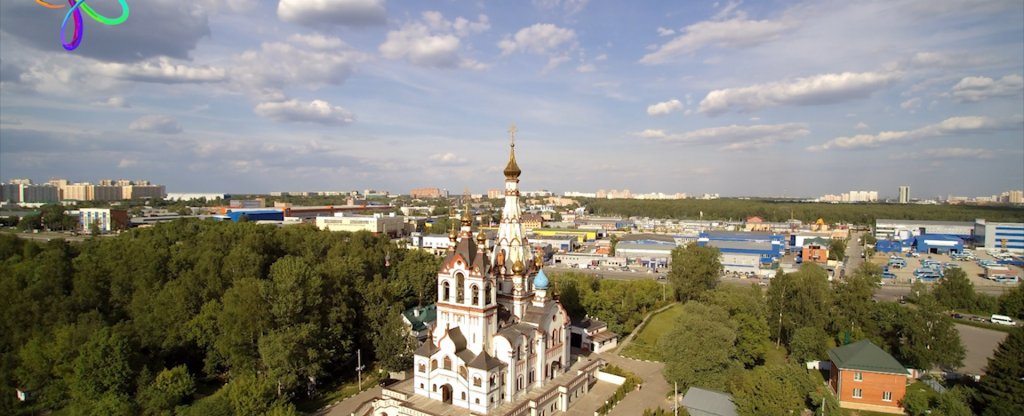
[865,377]
[815,250]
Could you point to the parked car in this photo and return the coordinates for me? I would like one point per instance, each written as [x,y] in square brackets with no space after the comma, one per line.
[1002,320]
[888,275]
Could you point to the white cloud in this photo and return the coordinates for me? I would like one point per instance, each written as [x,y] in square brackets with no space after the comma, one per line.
[737,32]
[113,102]
[448,158]
[664,107]
[555,62]
[818,89]
[316,111]
[972,89]
[540,38]
[949,126]
[434,41]
[734,137]
[911,104]
[862,126]
[156,123]
[569,6]
[127,163]
[308,61]
[665,31]
[161,70]
[959,153]
[332,12]
[584,68]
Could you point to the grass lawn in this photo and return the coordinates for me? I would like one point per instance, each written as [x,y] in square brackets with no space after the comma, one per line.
[645,345]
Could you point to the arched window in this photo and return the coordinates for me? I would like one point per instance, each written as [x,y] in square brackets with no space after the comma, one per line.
[463,372]
[476,294]
[422,368]
[477,381]
[487,294]
[446,292]
[460,287]
[433,365]
[447,363]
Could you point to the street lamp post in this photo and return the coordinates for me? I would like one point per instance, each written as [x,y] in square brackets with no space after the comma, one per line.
[360,367]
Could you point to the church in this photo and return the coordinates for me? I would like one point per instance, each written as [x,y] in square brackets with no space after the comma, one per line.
[501,341]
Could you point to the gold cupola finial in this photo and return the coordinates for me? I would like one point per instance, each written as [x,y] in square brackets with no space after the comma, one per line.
[512,169]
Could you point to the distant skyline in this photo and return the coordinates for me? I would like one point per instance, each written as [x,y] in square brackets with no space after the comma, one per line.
[794,99]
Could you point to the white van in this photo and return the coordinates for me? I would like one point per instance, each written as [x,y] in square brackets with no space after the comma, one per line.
[1002,320]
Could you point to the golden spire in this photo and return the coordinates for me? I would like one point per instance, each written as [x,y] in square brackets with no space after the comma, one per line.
[467,218]
[512,169]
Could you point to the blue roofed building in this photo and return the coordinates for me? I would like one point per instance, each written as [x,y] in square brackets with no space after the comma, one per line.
[255,214]
[938,244]
[746,253]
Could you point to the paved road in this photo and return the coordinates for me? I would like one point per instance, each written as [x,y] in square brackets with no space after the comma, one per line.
[654,392]
[349,405]
[980,343]
[854,248]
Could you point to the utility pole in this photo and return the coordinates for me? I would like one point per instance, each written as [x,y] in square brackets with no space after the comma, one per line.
[675,399]
[360,367]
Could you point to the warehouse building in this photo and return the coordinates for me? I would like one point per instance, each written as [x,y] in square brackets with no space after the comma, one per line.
[746,253]
[938,244]
[906,229]
[1000,236]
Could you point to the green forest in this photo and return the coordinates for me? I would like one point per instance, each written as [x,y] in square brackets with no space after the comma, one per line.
[779,211]
[200,317]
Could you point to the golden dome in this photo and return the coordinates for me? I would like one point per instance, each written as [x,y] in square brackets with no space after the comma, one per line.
[512,169]
[538,261]
[518,267]
[481,238]
[452,236]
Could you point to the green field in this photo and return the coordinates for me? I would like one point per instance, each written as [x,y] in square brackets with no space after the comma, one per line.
[645,344]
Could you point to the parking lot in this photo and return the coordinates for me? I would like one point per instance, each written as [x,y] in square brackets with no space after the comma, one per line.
[971,268]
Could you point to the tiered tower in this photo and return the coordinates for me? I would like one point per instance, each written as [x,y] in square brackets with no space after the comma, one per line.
[512,257]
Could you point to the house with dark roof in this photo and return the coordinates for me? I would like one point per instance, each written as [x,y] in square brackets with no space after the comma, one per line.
[864,377]
[419,320]
[591,335]
[706,402]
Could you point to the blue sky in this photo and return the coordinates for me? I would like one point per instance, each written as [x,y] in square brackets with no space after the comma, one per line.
[738,98]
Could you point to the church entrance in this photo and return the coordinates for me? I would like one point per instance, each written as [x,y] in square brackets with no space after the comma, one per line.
[446,393]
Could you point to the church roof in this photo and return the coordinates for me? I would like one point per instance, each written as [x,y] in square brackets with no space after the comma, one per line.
[455,334]
[427,314]
[513,332]
[484,361]
[534,314]
[469,251]
[427,349]
[512,169]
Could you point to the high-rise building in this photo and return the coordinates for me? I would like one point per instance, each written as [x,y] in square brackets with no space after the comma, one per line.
[904,194]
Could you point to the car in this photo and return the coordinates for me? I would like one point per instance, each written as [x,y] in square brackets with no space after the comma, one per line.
[888,275]
[957,316]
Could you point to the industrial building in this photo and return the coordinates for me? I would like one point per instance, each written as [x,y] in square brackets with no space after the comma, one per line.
[938,244]
[391,224]
[1000,236]
[905,229]
[745,253]
[255,214]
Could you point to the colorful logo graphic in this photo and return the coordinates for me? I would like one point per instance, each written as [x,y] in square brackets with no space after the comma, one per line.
[77,7]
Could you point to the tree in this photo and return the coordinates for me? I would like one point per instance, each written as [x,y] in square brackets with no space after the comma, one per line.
[1001,391]
[417,271]
[612,242]
[170,388]
[774,390]
[102,373]
[94,228]
[747,311]
[809,344]
[699,349]
[694,270]
[955,290]
[1011,303]
[930,337]
[853,300]
[796,300]
[837,250]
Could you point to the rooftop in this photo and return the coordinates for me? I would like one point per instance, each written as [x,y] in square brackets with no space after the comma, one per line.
[865,355]
[706,402]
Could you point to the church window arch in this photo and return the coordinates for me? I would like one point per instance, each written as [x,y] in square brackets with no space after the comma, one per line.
[422,368]
[475,290]
[487,293]
[446,291]
[477,381]
[433,365]
[460,287]
[463,372]
[447,363]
